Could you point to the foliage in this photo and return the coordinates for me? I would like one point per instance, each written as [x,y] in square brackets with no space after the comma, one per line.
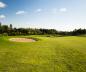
[10,31]
[24,31]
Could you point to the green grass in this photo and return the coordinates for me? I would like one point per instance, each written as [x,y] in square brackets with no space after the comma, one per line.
[48,54]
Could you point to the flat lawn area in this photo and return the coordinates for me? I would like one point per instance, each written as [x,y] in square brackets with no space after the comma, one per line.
[49,54]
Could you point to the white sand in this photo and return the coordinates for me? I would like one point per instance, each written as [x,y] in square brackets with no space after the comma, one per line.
[22,40]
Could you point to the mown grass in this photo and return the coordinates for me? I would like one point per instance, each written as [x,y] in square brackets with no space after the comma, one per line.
[48,54]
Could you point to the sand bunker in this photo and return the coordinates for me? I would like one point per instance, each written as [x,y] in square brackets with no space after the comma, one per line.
[22,40]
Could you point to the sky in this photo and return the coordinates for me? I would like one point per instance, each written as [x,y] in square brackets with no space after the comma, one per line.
[63,15]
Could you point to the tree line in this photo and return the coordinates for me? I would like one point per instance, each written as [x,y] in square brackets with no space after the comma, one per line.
[75,32]
[10,31]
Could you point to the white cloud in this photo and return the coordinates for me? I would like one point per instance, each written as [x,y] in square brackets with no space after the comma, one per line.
[21,12]
[2,5]
[63,9]
[38,10]
[2,16]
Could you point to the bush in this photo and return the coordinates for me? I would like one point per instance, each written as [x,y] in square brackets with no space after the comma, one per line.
[4,34]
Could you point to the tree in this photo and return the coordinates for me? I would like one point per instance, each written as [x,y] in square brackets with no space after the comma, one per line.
[0,28]
[5,29]
[11,26]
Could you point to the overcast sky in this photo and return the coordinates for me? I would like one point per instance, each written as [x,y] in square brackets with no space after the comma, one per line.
[58,14]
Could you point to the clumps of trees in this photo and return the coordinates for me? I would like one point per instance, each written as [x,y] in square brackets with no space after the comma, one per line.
[75,32]
[79,31]
[10,31]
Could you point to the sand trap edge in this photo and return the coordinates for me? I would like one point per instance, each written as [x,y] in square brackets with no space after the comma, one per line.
[22,40]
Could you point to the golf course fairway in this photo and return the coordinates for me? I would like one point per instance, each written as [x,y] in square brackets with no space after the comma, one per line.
[48,54]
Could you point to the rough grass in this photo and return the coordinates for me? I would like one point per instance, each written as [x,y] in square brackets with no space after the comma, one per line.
[48,54]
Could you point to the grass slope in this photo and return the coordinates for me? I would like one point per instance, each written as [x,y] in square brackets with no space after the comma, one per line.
[49,54]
